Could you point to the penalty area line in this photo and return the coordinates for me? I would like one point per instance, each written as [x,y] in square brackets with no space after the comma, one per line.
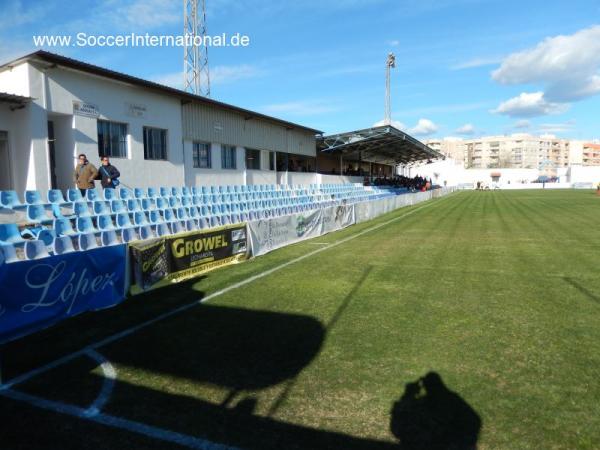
[120,335]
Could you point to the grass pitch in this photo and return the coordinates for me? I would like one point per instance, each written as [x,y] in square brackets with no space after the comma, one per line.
[498,293]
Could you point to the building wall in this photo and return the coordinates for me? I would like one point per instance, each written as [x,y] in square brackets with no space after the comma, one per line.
[114,100]
[213,124]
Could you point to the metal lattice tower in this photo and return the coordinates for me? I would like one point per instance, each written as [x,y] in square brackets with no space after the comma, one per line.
[389,64]
[196,77]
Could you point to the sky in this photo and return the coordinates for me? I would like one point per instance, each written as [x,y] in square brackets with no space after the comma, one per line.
[464,68]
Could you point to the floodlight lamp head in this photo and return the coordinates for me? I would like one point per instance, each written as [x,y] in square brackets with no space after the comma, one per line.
[391,60]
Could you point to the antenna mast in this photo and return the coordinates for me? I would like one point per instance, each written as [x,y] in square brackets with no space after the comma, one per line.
[196,77]
[389,64]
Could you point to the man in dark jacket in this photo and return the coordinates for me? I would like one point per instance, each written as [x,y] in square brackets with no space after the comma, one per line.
[108,174]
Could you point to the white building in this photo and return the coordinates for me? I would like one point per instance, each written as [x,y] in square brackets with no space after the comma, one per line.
[53,108]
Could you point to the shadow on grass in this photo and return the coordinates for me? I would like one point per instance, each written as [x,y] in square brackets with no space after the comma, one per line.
[589,294]
[430,416]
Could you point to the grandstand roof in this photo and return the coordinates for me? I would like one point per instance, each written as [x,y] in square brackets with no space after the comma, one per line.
[54,59]
[383,144]
[14,99]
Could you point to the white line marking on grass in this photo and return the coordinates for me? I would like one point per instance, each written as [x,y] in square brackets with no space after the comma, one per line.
[115,337]
[110,375]
[117,422]
[318,243]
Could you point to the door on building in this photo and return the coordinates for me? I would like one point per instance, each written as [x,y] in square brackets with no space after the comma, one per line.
[52,154]
[5,172]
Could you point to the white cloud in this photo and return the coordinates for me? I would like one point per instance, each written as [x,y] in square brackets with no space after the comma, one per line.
[467,128]
[522,124]
[529,105]
[395,124]
[561,127]
[148,14]
[568,66]
[424,127]
[218,76]
[302,107]
[477,62]
[394,43]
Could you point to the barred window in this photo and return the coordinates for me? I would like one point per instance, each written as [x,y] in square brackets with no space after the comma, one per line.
[202,155]
[155,143]
[112,139]
[228,155]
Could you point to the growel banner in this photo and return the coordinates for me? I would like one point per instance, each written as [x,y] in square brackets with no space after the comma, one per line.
[270,234]
[171,259]
[42,292]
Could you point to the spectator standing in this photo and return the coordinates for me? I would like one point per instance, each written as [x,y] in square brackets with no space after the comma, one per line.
[84,175]
[108,174]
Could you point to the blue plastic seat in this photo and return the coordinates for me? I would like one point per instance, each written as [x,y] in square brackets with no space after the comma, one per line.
[9,234]
[177,227]
[225,219]
[139,218]
[145,232]
[204,211]
[109,238]
[148,204]
[117,206]
[186,191]
[63,227]
[174,202]
[87,241]
[9,199]
[162,203]
[252,215]
[133,205]
[84,225]
[105,222]
[129,235]
[100,207]
[235,218]
[152,192]
[154,216]
[162,229]
[81,209]
[139,193]
[168,215]
[62,245]
[215,221]
[46,236]
[55,196]
[186,201]
[164,192]
[8,254]
[243,217]
[181,214]
[92,195]
[191,225]
[110,194]
[193,212]
[125,194]
[37,214]
[35,249]
[202,223]
[33,198]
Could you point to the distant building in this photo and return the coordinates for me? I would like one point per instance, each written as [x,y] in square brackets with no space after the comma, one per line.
[518,151]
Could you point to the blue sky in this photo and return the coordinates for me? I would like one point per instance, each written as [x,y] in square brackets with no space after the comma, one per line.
[464,67]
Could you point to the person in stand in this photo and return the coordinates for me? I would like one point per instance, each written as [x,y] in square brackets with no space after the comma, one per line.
[108,174]
[84,175]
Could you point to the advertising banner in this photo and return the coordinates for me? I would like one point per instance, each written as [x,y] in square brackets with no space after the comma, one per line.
[270,234]
[39,293]
[171,259]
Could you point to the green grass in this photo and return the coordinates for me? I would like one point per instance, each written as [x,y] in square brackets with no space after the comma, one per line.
[498,292]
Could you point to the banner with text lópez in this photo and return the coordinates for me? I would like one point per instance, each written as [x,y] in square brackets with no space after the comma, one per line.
[270,234]
[42,292]
[171,259]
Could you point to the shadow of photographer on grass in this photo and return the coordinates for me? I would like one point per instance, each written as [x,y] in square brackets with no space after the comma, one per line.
[430,416]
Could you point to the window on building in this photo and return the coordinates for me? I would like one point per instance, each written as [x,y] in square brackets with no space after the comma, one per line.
[112,139]
[271,160]
[252,159]
[155,143]
[228,157]
[202,155]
